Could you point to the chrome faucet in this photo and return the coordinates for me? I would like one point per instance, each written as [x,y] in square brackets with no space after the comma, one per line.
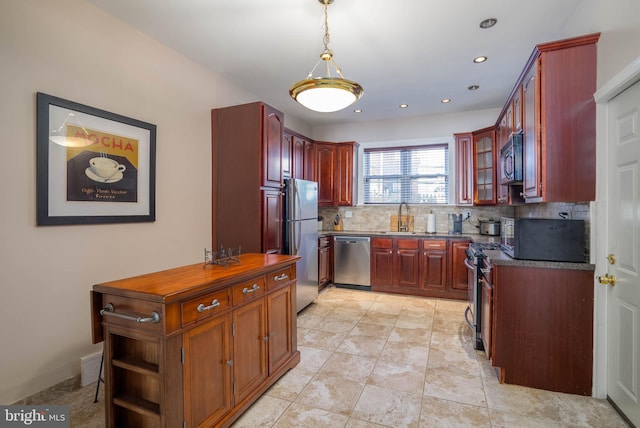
[403,226]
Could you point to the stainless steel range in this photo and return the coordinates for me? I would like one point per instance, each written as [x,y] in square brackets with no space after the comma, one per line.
[474,263]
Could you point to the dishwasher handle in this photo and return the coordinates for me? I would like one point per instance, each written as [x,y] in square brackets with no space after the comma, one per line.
[351,239]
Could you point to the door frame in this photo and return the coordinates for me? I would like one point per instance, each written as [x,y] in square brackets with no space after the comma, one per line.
[627,77]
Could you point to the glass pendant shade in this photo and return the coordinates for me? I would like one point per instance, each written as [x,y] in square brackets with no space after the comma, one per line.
[326,94]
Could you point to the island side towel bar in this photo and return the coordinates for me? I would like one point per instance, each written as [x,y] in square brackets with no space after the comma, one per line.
[110,310]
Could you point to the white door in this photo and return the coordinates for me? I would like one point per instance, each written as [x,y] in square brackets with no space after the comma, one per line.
[623,299]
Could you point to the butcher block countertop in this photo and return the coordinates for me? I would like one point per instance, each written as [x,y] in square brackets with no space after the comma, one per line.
[175,284]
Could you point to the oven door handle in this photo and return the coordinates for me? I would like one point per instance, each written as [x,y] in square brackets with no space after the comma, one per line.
[466,318]
[468,264]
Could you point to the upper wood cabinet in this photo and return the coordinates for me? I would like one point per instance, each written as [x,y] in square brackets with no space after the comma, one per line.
[336,169]
[272,132]
[464,168]
[302,156]
[287,155]
[559,144]
[246,151]
[484,166]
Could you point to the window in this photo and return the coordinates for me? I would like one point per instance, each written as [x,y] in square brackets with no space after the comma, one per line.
[416,175]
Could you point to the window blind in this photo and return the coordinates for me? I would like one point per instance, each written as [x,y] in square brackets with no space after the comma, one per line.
[416,175]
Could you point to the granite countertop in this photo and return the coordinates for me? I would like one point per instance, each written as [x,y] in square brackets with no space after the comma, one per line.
[496,257]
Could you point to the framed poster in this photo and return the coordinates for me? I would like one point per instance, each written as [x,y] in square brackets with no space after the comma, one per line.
[92,166]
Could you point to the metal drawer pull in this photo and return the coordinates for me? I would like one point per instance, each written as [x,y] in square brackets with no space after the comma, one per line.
[253,289]
[214,304]
[281,277]
[110,310]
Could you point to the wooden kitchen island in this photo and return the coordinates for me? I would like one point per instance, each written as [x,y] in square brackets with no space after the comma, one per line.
[195,345]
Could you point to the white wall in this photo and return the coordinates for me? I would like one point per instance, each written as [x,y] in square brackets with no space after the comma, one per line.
[415,128]
[71,49]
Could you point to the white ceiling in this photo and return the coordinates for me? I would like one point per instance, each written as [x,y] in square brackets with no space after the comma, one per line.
[403,51]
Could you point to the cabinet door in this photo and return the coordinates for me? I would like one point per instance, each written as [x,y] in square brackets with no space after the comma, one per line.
[326,165]
[272,221]
[343,181]
[207,372]
[459,275]
[287,155]
[531,138]
[464,168]
[487,316]
[297,157]
[407,263]
[382,262]
[323,265]
[279,309]
[249,347]
[310,161]
[434,265]
[517,110]
[484,167]
[272,131]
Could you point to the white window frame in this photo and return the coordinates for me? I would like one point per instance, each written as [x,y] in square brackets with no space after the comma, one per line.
[407,143]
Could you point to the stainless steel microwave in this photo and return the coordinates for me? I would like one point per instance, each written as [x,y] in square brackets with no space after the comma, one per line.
[511,160]
[556,240]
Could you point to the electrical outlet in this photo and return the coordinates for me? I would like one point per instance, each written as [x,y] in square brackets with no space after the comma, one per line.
[466,215]
[348,214]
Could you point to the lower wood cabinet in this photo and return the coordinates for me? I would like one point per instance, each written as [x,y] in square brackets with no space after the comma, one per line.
[196,345]
[325,261]
[425,267]
[542,327]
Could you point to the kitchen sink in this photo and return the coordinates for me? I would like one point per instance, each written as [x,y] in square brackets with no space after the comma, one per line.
[397,233]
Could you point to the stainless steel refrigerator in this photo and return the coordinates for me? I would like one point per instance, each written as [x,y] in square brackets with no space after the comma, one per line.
[301,236]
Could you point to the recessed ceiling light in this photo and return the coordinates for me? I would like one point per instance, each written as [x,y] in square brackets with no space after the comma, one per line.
[488,23]
[357,110]
[473,87]
[403,105]
[479,59]
[445,101]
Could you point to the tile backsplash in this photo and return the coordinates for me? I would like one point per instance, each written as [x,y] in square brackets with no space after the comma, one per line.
[374,218]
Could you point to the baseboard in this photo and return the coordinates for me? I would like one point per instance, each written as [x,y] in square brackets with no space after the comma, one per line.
[90,368]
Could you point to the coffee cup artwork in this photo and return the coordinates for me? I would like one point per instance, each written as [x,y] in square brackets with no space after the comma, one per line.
[105,170]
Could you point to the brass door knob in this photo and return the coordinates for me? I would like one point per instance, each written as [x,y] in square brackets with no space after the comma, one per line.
[607,280]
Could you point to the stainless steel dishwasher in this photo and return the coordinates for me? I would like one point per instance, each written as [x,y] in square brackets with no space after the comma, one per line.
[352,261]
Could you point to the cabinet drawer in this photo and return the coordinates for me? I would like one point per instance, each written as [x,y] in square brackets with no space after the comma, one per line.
[432,244]
[279,277]
[408,244]
[204,306]
[248,290]
[382,243]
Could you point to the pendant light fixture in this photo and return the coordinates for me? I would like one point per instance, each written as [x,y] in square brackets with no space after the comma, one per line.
[326,94]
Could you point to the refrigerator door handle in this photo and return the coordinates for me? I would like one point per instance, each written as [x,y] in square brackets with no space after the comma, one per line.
[298,237]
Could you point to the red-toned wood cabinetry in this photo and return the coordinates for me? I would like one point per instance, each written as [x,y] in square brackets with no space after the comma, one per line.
[422,267]
[335,172]
[542,324]
[195,345]
[464,168]
[247,171]
[559,121]
[484,166]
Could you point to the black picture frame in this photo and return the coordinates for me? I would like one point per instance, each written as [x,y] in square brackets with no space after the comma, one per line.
[75,183]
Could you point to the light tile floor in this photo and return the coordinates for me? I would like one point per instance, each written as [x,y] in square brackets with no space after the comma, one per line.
[380,360]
